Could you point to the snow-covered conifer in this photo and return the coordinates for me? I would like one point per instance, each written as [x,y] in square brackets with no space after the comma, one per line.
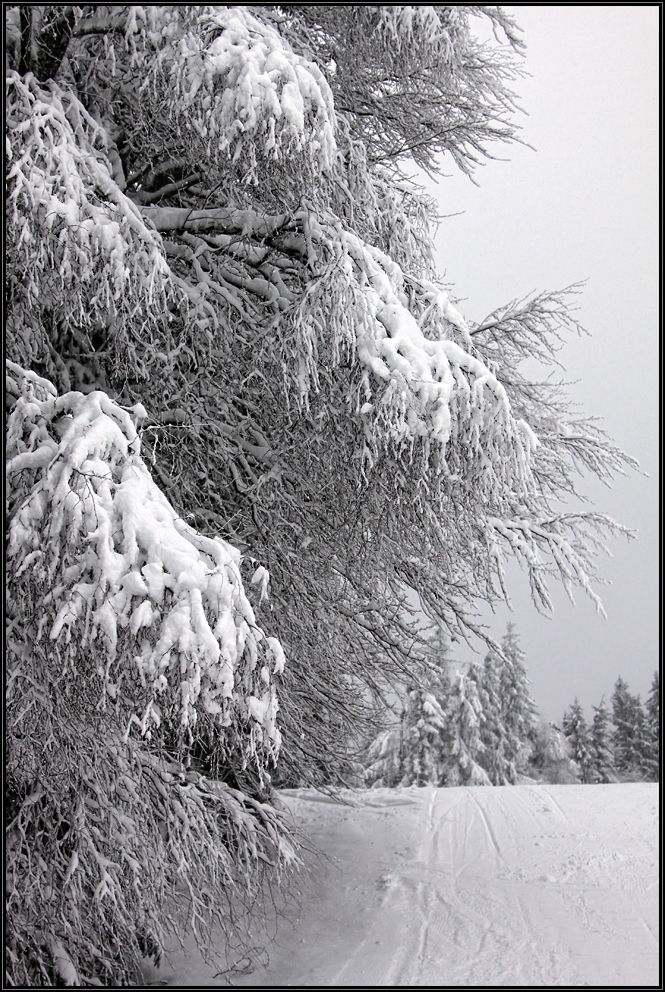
[422,750]
[629,737]
[651,757]
[575,728]
[509,710]
[602,759]
[462,740]
[383,764]
[493,733]
[551,760]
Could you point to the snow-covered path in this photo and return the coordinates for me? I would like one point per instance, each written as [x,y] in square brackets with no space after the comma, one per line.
[519,886]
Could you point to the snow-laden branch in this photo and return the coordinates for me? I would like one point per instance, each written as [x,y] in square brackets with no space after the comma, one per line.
[567,538]
[118,558]
[420,377]
[249,223]
[67,220]
[237,87]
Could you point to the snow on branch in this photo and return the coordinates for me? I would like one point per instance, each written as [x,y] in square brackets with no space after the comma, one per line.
[419,374]
[568,538]
[70,229]
[234,83]
[121,567]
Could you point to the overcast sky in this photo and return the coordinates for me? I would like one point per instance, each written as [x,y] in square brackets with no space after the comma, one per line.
[584,205]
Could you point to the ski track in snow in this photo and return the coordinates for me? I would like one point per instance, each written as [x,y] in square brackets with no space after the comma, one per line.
[524,886]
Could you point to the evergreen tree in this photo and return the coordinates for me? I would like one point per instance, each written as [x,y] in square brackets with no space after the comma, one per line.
[412,751]
[577,733]
[519,709]
[629,738]
[494,758]
[462,743]
[651,756]
[508,731]
[551,758]
[383,763]
[422,746]
[602,759]
[438,739]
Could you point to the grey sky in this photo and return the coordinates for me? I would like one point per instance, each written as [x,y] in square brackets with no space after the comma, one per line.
[583,205]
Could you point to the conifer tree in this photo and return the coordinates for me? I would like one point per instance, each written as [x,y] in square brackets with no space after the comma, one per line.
[602,759]
[462,733]
[383,762]
[629,737]
[422,746]
[510,712]
[577,733]
[551,758]
[411,751]
[438,740]
[651,757]
[495,758]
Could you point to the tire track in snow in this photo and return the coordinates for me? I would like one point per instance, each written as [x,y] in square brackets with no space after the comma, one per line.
[489,832]
[423,890]
[404,955]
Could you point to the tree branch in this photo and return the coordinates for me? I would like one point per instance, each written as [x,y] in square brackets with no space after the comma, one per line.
[52,44]
[218,219]
[97,25]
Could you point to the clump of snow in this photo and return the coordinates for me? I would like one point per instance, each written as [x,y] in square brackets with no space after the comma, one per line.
[118,558]
[240,87]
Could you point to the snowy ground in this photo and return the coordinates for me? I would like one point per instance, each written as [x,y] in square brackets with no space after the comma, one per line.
[528,885]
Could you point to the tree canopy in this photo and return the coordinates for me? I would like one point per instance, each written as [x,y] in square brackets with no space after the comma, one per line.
[251,436]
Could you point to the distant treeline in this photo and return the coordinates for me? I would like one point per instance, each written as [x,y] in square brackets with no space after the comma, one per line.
[480,726]
[622,743]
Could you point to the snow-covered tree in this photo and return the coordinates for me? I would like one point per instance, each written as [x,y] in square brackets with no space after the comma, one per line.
[437,741]
[629,737]
[222,308]
[130,643]
[494,758]
[651,754]
[602,759]
[510,712]
[421,742]
[519,710]
[383,763]
[551,760]
[576,731]
[462,734]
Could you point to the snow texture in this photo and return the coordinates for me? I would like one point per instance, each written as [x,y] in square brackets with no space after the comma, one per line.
[516,886]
